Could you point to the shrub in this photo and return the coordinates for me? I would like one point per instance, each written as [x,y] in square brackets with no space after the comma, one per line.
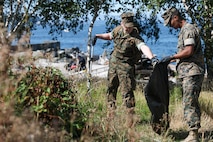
[51,97]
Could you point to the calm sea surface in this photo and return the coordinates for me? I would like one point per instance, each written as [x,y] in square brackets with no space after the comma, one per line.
[166,44]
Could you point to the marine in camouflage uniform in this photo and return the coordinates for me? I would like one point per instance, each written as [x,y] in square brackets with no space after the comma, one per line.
[191,72]
[121,65]
[190,68]
[128,46]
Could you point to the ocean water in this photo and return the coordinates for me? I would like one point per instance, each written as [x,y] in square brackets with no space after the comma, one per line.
[166,44]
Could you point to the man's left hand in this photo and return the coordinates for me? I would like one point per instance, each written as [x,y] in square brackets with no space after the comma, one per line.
[154,61]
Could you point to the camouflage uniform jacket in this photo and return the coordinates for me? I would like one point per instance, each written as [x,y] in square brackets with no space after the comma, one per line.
[126,52]
[193,65]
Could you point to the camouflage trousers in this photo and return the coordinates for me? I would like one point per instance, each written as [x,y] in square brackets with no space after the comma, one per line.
[125,80]
[191,90]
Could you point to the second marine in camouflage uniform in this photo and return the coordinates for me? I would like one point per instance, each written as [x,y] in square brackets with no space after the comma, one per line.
[190,68]
[191,72]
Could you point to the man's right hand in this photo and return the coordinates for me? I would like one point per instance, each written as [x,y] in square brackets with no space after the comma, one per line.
[94,39]
[166,59]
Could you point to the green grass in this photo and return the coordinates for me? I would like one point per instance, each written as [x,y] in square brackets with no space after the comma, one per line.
[206,103]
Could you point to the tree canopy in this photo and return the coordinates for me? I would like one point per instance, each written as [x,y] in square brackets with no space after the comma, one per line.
[19,16]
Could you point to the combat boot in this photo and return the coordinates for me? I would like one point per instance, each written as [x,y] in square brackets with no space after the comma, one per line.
[192,137]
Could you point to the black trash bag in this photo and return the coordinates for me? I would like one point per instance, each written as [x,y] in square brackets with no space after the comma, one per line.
[157,97]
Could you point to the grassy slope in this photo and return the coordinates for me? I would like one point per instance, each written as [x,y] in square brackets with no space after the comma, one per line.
[142,130]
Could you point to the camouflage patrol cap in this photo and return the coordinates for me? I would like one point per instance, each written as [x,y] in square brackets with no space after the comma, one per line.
[127,19]
[168,15]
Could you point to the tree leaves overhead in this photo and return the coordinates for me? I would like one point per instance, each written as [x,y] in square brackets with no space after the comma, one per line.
[59,15]
[75,15]
[71,15]
[18,17]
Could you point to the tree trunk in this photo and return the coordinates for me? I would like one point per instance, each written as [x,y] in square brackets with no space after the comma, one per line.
[89,55]
[3,31]
[209,61]
[1,23]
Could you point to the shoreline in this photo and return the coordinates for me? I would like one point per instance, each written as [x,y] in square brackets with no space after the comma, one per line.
[99,64]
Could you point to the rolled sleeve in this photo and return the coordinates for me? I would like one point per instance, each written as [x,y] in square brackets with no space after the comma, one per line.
[189,41]
[111,35]
[140,45]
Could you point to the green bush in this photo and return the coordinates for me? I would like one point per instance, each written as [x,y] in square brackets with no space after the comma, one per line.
[51,97]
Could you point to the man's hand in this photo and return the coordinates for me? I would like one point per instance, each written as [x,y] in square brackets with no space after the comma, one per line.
[154,61]
[166,59]
[94,39]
